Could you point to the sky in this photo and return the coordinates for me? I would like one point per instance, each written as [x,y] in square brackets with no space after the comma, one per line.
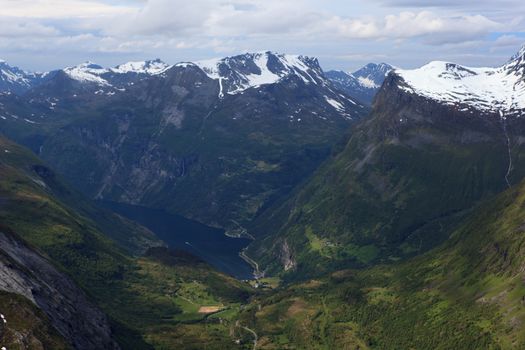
[42,35]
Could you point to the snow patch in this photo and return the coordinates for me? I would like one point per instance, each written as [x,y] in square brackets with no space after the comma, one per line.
[367,83]
[336,104]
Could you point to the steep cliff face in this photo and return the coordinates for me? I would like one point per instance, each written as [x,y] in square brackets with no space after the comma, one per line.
[408,173]
[23,326]
[26,273]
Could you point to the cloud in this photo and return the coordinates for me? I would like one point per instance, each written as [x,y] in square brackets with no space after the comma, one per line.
[257,18]
[435,29]
[166,17]
[234,18]
[60,9]
[449,3]
[507,41]
[238,20]
[13,28]
[178,29]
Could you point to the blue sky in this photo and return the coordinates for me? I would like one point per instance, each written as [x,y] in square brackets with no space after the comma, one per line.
[47,34]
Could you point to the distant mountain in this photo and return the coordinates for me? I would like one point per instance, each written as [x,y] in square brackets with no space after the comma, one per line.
[213,140]
[82,76]
[241,72]
[16,80]
[118,77]
[362,84]
[439,140]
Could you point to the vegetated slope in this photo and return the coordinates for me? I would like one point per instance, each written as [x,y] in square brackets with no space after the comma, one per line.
[148,299]
[215,141]
[406,176]
[465,294]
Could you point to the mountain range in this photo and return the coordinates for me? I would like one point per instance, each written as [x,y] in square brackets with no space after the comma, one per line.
[16,80]
[251,126]
[385,205]
[236,73]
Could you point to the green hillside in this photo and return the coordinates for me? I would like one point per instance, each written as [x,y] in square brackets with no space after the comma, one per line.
[466,294]
[150,299]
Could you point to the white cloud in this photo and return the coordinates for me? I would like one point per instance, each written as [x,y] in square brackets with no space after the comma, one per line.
[450,3]
[165,17]
[13,28]
[506,42]
[60,9]
[178,29]
[436,28]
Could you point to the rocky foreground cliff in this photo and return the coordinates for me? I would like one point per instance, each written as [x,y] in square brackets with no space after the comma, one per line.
[26,273]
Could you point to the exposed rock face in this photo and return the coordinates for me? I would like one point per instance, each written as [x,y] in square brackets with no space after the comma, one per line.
[287,258]
[26,273]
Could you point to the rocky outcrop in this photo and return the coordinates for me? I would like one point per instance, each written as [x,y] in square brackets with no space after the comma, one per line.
[287,258]
[24,272]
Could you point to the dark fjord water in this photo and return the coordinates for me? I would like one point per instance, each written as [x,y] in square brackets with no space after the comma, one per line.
[208,243]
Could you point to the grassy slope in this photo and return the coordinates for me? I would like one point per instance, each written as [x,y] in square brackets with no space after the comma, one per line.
[147,298]
[466,294]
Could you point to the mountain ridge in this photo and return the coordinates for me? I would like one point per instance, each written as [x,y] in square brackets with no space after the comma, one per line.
[237,72]
[363,83]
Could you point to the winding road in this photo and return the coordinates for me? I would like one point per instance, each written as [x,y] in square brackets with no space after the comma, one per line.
[252,332]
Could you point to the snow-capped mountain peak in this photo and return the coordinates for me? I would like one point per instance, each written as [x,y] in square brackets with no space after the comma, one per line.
[372,75]
[498,90]
[87,72]
[142,67]
[238,73]
[14,79]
